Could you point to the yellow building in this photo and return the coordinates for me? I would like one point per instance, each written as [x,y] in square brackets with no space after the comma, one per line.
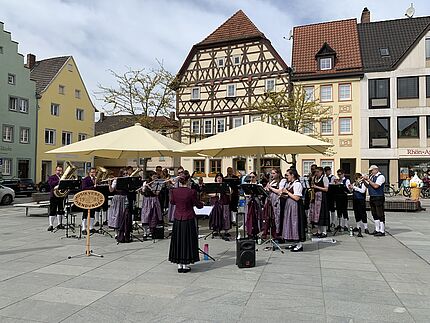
[65,112]
[326,61]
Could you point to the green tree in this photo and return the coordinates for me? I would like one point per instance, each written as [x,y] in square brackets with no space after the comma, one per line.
[295,110]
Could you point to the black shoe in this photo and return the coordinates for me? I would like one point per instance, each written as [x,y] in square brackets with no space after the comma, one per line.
[380,234]
[97,224]
[328,230]
[295,249]
[180,270]
[322,235]
[373,233]
[60,226]
[84,232]
[290,247]
[366,231]
[215,234]
[186,269]
[105,223]
[345,229]
[93,230]
[355,230]
[227,234]
[50,228]
[359,235]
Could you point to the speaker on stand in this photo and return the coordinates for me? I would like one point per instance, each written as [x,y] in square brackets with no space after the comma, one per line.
[245,253]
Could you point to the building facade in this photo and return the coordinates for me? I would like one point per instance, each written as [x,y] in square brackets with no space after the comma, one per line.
[395,96]
[218,85]
[65,112]
[18,110]
[326,62]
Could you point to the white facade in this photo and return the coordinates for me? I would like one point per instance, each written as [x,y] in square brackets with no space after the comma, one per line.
[404,152]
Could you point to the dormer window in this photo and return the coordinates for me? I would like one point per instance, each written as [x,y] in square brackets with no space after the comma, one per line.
[326,63]
[326,57]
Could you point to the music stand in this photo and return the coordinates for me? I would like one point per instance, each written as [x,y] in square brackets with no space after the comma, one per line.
[68,184]
[337,189]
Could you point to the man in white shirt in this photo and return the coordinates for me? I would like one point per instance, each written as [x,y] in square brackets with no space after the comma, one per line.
[375,184]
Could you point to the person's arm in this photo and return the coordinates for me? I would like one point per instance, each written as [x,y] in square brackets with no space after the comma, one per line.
[172,198]
[360,189]
[347,186]
[112,186]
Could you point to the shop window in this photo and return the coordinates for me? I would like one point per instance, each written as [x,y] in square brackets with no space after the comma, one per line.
[379,94]
[408,127]
[379,132]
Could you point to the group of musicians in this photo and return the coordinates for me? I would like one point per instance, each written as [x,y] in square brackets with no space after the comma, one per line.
[327,201]
[283,211]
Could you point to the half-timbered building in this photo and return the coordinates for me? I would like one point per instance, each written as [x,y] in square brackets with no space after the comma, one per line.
[218,84]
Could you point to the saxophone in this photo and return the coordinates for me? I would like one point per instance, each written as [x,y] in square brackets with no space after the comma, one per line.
[68,174]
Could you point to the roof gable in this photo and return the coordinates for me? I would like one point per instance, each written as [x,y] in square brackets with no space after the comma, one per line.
[398,36]
[340,37]
[46,70]
[238,26]
[325,50]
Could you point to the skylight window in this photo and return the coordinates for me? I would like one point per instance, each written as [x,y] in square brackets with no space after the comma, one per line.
[384,52]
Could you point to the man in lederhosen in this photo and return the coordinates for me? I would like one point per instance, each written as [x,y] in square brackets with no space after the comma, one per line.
[375,185]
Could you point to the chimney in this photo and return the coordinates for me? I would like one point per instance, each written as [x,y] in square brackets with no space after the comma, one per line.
[172,116]
[365,16]
[31,61]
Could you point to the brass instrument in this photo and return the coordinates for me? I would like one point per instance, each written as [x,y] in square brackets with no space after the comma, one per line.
[102,174]
[136,171]
[68,174]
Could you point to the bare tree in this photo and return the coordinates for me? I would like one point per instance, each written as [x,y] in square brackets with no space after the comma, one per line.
[144,93]
[295,110]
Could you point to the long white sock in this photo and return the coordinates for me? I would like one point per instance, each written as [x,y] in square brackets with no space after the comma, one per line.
[365,225]
[84,224]
[377,225]
[324,229]
[299,245]
[97,216]
[345,222]
[319,229]
[233,216]
[51,220]
[60,219]
[342,223]
[382,227]
[359,224]
[91,223]
[332,217]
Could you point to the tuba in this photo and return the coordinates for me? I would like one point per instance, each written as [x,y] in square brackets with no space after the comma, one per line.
[102,174]
[68,174]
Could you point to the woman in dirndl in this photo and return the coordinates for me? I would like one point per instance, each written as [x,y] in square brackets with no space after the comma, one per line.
[184,244]
[118,214]
[294,228]
[253,209]
[151,214]
[318,212]
[272,211]
[220,216]
[174,183]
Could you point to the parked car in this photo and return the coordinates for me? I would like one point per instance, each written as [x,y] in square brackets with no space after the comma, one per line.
[7,195]
[43,187]
[23,186]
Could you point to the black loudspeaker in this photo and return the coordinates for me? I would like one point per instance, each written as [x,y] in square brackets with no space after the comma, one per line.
[245,253]
[158,232]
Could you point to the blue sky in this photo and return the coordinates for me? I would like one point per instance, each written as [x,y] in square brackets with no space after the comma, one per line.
[111,34]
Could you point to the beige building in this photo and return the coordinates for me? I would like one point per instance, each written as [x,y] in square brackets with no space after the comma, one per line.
[326,61]
[218,84]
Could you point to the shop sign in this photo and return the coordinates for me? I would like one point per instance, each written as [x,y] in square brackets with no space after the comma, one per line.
[415,152]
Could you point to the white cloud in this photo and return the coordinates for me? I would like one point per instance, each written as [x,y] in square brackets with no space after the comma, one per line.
[109,34]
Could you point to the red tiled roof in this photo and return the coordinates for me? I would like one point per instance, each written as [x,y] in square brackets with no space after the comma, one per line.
[341,36]
[45,70]
[238,26]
